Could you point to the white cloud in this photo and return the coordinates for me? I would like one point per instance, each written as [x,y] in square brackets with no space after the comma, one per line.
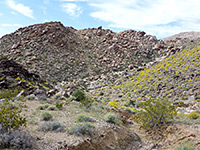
[11,25]
[72,9]
[25,10]
[46,1]
[74,0]
[1,14]
[162,18]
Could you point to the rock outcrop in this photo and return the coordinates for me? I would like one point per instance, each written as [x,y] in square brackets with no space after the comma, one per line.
[13,75]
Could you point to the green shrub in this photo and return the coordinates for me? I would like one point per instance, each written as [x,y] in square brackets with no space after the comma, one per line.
[9,94]
[41,107]
[52,126]
[52,108]
[79,95]
[71,98]
[155,112]
[194,115]
[59,106]
[84,118]
[3,57]
[30,97]
[10,117]
[112,118]
[46,116]
[87,102]
[58,96]
[84,128]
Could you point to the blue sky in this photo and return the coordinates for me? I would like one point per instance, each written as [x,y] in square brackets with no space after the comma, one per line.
[157,17]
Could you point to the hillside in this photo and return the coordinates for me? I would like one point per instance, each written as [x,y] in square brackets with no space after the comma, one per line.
[60,53]
[176,77]
[68,89]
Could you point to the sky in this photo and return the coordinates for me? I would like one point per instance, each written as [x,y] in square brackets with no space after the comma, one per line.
[161,18]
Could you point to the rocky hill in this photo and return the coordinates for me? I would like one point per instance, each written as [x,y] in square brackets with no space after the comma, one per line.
[60,53]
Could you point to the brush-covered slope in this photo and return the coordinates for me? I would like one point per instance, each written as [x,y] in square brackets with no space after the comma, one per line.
[176,77]
[60,53]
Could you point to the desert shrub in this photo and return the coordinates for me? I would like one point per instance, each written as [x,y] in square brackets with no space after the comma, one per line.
[16,139]
[112,118]
[155,112]
[58,96]
[42,99]
[41,107]
[2,57]
[30,97]
[84,128]
[79,95]
[59,106]
[194,115]
[9,93]
[87,102]
[186,146]
[52,108]
[10,117]
[71,98]
[52,126]
[46,116]
[84,118]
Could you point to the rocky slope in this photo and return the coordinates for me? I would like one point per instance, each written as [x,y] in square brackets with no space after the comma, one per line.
[14,76]
[60,53]
[176,77]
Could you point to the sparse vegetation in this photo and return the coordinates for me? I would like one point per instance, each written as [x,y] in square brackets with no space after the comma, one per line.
[43,107]
[52,126]
[84,118]
[84,128]
[112,118]
[186,146]
[46,116]
[30,97]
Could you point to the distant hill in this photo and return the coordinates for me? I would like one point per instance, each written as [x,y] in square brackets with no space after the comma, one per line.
[189,35]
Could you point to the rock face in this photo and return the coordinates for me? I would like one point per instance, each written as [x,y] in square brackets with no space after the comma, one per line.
[60,53]
[13,75]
